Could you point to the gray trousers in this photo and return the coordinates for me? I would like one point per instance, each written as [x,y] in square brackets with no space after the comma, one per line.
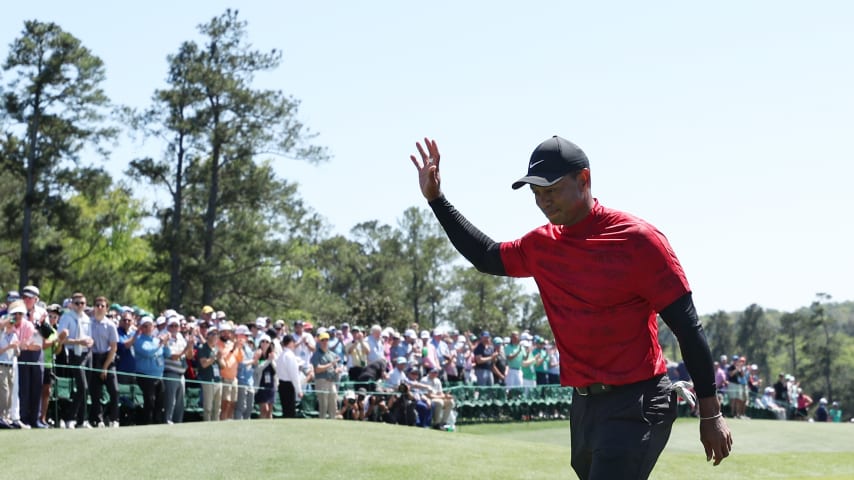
[173,402]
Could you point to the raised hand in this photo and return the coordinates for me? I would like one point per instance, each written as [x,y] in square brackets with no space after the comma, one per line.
[428,169]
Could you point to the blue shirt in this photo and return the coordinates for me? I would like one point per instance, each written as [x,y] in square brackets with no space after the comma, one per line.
[126,361]
[78,326]
[7,357]
[149,355]
[245,369]
[103,333]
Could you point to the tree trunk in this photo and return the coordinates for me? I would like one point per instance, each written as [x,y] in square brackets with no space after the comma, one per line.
[210,221]
[176,285]
[29,195]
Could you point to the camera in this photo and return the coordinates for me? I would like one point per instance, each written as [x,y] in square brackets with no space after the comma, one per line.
[351,401]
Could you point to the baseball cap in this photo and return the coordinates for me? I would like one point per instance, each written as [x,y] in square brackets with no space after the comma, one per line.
[551,160]
[12,296]
[400,360]
[323,336]
[241,330]
[425,334]
[145,320]
[207,309]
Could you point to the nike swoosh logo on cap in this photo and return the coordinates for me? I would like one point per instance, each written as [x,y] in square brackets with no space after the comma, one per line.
[534,164]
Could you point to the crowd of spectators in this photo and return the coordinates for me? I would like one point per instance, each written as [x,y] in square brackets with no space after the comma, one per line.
[241,368]
[740,385]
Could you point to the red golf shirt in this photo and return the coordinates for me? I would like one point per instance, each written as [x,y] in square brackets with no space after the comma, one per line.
[602,281]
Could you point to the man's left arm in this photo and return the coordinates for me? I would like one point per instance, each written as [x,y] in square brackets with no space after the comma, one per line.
[681,317]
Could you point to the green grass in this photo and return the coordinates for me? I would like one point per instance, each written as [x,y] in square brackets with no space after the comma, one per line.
[355,450]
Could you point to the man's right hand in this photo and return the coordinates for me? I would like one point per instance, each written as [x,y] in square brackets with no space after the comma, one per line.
[428,169]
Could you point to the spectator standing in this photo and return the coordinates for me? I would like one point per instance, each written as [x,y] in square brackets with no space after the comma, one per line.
[49,348]
[105,340]
[289,381]
[174,368]
[8,352]
[737,387]
[265,376]
[835,412]
[541,361]
[326,371]
[821,413]
[781,393]
[376,349]
[150,352]
[304,345]
[127,334]
[554,364]
[208,375]
[720,379]
[245,374]
[230,358]
[803,403]
[30,360]
[76,335]
[515,354]
[499,364]
[357,354]
[484,360]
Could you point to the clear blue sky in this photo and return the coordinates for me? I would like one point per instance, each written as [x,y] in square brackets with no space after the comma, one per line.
[727,124]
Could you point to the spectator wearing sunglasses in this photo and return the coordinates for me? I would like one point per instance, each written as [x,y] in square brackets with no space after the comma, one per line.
[75,334]
[105,338]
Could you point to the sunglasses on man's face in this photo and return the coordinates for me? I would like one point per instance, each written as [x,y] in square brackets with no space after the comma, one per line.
[79,303]
[101,305]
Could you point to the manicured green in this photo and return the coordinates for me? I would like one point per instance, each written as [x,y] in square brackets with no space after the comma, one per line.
[351,450]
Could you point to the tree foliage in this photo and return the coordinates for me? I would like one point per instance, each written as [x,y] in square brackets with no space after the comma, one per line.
[54,106]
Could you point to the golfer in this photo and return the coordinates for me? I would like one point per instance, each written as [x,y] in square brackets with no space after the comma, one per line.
[603,275]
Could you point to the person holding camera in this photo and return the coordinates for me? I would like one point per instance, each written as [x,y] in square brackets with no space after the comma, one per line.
[265,376]
[352,408]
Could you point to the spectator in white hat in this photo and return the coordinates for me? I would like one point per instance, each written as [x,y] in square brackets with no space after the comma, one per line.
[174,367]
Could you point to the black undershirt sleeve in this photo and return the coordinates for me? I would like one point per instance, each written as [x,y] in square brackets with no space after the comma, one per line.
[483,252]
[681,317]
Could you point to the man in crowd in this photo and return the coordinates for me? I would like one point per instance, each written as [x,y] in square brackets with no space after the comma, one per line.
[174,367]
[105,339]
[288,375]
[326,370]
[76,335]
[30,370]
[150,352]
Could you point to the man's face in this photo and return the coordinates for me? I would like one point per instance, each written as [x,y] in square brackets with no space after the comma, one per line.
[30,302]
[565,202]
[79,304]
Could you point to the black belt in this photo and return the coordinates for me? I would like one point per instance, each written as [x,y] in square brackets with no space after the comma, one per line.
[594,389]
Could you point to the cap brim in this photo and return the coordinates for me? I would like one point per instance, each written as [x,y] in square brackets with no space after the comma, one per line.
[535,180]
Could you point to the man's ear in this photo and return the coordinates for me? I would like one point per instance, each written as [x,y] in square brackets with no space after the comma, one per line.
[583,178]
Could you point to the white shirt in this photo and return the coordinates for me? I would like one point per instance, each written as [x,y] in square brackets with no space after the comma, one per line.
[287,368]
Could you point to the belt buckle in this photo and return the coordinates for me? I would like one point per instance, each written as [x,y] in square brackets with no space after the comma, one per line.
[583,391]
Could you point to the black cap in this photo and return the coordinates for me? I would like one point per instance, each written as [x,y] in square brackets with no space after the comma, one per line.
[551,160]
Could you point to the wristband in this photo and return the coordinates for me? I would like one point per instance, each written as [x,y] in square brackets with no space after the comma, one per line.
[719,415]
